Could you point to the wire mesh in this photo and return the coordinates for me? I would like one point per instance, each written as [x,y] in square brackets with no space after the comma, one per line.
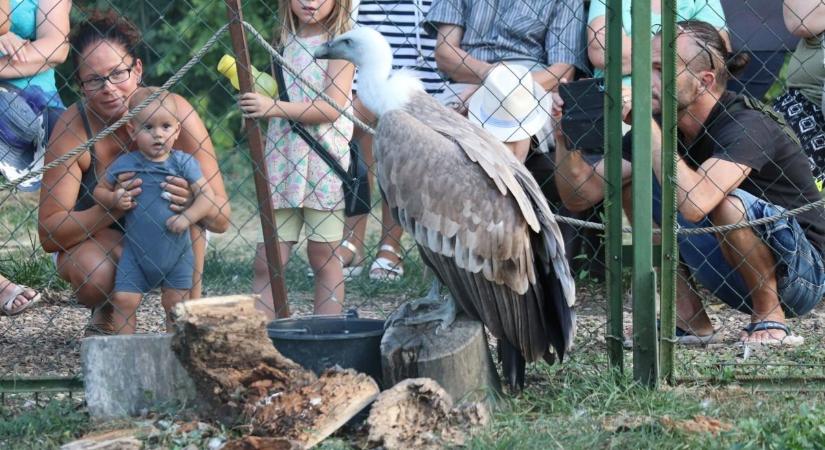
[367,263]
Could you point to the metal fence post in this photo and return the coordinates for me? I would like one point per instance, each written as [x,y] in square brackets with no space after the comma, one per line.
[256,150]
[645,342]
[669,244]
[613,187]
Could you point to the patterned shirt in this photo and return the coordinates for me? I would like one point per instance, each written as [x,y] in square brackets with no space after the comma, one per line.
[299,177]
[546,31]
[413,46]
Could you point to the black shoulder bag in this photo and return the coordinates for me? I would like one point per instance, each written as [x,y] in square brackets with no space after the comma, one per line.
[355,181]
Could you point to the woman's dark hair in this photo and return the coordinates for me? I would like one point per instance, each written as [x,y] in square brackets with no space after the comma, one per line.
[712,48]
[104,26]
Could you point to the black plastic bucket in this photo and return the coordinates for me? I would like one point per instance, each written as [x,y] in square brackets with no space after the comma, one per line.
[318,343]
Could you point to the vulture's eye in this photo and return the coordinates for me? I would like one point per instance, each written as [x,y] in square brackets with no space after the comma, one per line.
[348,41]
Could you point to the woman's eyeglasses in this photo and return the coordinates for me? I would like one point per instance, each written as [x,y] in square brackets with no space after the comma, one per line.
[116,76]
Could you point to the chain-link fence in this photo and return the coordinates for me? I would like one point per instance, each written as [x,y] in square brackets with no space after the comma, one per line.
[65,239]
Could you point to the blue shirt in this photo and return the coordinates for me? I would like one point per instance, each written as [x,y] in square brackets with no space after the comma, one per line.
[544,31]
[24,24]
[146,223]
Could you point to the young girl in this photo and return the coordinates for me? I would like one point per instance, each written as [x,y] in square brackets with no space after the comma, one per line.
[306,192]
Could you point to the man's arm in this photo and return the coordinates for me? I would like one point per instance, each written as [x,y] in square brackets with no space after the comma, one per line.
[699,191]
[550,77]
[804,18]
[597,43]
[456,63]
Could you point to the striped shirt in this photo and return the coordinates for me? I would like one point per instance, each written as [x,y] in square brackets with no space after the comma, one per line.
[412,46]
[545,31]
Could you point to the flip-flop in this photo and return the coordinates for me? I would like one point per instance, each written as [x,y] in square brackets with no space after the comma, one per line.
[789,340]
[7,302]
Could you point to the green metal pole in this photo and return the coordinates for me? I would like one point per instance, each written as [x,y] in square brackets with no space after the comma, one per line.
[613,187]
[645,341]
[669,244]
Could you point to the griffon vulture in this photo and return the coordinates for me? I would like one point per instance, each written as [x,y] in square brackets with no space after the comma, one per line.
[478,216]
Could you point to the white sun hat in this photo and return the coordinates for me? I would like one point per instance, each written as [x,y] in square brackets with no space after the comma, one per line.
[509,104]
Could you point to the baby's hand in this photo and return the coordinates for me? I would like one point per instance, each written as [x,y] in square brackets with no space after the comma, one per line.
[178,223]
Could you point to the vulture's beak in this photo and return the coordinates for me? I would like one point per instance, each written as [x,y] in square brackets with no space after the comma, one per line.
[325,51]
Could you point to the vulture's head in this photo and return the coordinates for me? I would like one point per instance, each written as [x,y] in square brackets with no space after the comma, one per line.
[362,46]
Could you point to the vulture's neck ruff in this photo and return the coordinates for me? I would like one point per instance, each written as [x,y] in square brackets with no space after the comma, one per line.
[378,88]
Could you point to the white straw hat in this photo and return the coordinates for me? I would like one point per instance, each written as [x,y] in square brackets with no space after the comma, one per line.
[510,105]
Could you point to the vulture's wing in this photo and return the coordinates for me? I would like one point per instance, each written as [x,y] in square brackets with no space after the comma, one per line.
[482,148]
[500,165]
[473,232]
[450,205]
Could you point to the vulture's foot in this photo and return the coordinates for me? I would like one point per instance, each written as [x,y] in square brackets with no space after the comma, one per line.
[436,311]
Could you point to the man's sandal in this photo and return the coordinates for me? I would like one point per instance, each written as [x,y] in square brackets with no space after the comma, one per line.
[384,269]
[351,270]
[789,340]
[7,301]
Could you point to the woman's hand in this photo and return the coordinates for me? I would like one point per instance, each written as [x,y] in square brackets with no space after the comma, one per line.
[13,46]
[257,106]
[178,192]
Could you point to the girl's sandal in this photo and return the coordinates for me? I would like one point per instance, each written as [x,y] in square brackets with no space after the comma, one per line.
[351,270]
[385,269]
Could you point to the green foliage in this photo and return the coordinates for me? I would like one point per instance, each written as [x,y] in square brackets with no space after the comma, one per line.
[42,427]
[172,33]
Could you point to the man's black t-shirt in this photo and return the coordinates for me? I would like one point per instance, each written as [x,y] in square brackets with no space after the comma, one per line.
[780,173]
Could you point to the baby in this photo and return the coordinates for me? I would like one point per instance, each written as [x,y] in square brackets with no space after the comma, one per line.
[157,249]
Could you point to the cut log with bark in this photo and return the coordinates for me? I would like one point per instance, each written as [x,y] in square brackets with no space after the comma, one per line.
[458,358]
[241,378]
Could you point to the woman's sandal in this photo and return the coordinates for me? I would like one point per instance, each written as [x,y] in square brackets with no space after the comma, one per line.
[351,270]
[7,301]
[384,269]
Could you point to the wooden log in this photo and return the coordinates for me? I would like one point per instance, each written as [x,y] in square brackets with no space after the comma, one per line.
[457,358]
[241,377]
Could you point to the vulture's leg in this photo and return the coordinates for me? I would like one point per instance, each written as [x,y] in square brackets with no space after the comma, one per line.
[512,364]
[439,310]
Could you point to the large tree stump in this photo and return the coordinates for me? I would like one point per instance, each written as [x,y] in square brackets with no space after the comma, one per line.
[457,358]
[240,376]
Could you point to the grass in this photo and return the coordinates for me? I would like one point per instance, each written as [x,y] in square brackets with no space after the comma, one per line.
[45,427]
[571,406]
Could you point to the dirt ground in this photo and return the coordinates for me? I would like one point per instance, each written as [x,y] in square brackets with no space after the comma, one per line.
[45,340]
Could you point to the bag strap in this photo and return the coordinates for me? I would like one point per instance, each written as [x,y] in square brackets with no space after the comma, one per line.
[313,143]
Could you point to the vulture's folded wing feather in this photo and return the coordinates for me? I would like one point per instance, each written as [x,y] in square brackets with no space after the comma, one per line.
[450,205]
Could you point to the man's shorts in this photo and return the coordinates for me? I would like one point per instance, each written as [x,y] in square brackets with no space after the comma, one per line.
[800,271]
[321,226]
[139,274]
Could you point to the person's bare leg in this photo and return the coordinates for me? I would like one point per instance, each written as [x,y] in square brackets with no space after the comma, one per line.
[199,253]
[519,148]
[124,314]
[90,268]
[690,313]
[329,277]
[168,299]
[754,260]
[260,280]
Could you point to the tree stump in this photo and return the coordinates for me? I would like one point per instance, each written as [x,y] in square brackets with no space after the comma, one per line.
[457,358]
[241,377]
